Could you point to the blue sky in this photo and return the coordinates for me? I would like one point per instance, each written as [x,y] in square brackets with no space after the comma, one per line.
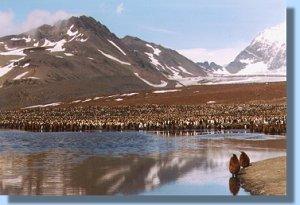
[178,24]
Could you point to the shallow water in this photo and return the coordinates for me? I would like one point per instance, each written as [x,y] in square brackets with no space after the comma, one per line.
[148,163]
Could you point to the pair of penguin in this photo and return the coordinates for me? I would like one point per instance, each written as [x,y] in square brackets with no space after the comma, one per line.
[235,164]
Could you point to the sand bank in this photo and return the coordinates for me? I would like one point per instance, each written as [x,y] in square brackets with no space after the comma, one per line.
[267,177]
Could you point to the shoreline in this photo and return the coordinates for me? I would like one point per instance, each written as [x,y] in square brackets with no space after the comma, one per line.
[171,132]
[266,177]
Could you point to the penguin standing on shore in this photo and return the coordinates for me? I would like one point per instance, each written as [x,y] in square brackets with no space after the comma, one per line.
[234,165]
[244,160]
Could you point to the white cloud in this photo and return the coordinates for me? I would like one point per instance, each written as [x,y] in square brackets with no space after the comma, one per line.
[34,19]
[6,22]
[39,17]
[221,56]
[120,8]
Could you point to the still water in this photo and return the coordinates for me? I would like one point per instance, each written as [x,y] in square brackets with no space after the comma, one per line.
[123,163]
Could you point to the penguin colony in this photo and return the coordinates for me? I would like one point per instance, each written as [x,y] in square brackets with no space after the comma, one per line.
[262,118]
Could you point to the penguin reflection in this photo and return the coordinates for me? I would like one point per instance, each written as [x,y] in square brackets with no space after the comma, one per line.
[234,185]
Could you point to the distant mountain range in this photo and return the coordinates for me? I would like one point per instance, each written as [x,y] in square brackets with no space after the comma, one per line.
[266,55]
[80,57]
[213,68]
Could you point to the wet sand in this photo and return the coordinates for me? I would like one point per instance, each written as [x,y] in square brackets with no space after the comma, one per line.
[266,177]
[278,144]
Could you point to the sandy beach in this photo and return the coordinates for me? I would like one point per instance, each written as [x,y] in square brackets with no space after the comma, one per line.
[266,177]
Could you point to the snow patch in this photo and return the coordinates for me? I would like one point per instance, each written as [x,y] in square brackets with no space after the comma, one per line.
[21,75]
[182,81]
[165,91]
[58,47]
[75,35]
[5,69]
[35,78]
[260,68]
[155,50]
[69,54]
[115,45]
[178,85]
[70,32]
[184,70]
[82,40]
[26,65]
[27,40]
[232,79]
[48,43]
[113,58]
[42,106]
[119,99]
[97,98]
[161,85]
[221,71]
[129,94]
[112,96]
[153,60]
[15,39]
[87,100]
[16,52]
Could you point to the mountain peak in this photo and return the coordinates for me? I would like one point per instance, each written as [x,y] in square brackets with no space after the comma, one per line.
[266,55]
[212,67]
[275,34]
[82,20]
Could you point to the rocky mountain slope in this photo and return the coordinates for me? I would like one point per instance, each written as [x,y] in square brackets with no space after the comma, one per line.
[266,55]
[80,57]
[172,65]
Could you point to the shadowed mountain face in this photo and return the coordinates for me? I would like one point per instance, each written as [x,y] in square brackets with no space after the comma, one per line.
[211,67]
[80,57]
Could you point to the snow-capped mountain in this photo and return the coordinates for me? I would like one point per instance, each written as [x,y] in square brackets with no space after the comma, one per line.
[266,55]
[80,57]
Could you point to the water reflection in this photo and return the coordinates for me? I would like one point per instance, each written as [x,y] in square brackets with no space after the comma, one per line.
[181,166]
[129,175]
[52,174]
[234,185]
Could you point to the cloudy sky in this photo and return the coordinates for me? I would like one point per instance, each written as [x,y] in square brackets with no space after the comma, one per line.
[214,30]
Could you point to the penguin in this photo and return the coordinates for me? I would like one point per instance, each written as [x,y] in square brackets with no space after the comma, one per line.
[244,160]
[234,165]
